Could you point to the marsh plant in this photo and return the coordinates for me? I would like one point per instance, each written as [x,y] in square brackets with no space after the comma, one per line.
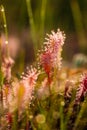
[46,96]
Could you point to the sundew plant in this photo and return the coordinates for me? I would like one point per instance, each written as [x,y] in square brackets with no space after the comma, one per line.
[47,95]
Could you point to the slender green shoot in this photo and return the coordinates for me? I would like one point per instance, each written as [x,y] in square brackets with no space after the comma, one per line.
[43,14]
[62,125]
[78,23]
[83,108]
[2,16]
[5,28]
[32,24]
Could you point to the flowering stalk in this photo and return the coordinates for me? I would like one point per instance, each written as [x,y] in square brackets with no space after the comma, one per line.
[50,56]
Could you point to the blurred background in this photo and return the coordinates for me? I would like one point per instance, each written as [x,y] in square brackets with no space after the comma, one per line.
[28,21]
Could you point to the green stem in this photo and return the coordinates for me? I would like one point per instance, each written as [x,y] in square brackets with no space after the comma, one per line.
[5,28]
[69,113]
[83,108]
[50,94]
[15,121]
[43,11]
[2,15]
[62,116]
[78,23]
[32,24]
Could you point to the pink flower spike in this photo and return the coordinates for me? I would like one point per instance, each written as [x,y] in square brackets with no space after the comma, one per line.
[82,90]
